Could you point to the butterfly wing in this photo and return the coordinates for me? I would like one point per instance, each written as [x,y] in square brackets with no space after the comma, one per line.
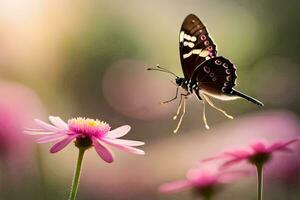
[216,77]
[195,45]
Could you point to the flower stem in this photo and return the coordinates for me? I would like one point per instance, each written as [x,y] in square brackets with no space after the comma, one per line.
[76,175]
[41,173]
[208,198]
[207,193]
[259,168]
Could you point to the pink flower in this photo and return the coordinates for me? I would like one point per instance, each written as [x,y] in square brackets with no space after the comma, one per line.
[258,154]
[203,181]
[86,133]
[15,148]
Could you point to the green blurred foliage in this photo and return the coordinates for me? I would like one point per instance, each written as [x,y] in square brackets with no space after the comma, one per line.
[89,54]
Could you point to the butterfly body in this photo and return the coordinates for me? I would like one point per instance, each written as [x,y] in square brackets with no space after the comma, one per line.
[220,87]
[187,85]
[205,74]
[204,71]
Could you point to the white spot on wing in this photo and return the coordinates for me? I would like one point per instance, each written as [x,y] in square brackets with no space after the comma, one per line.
[187,54]
[202,53]
[218,62]
[206,69]
[187,37]
[181,36]
[203,37]
[189,44]
[223,89]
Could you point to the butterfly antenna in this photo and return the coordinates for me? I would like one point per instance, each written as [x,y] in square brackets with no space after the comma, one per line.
[161,69]
[251,99]
[215,107]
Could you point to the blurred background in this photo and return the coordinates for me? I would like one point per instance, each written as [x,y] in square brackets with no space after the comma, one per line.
[89,58]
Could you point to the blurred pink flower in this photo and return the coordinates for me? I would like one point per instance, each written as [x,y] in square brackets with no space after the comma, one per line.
[270,125]
[87,133]
[9,131]
[258,154]
[17,107]
[203,181]
[13,116]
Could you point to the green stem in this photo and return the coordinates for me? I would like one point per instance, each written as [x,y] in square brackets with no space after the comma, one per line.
[76,176]
[259,181]
[208,198]
[41,172]
[208,193]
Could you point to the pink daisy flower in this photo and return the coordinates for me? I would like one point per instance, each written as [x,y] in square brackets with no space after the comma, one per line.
[259,153]
[204,182]
[87,133]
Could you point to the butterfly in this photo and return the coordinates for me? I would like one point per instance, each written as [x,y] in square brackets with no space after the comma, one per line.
[205,73]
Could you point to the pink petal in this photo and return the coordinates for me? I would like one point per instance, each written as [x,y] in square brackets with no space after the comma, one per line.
[51,138]
[228,154]
[175,186]
[62,144]
[132,143]
[277,146]
[221,156]
[258,147]
[230,176]
[123,147]
[237,153]
[46,126]
[36,132]
[205,180]
[118,132]
[58,122]
[231,162]
[103,151]
[286,149]
[35,129]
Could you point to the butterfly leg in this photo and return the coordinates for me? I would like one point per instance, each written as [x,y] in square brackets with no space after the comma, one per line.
[198,94]
[218,109]
[204,116]
[204,113]
[165,102]
[183,98]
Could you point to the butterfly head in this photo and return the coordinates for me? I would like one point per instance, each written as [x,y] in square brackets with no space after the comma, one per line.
[179,81]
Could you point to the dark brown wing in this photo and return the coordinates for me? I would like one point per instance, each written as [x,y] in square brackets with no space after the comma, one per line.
[216,77]
[195,45]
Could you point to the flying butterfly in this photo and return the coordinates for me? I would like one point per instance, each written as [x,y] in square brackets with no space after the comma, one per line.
[205,74]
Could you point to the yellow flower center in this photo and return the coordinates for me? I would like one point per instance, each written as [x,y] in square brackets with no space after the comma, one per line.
[88,126]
